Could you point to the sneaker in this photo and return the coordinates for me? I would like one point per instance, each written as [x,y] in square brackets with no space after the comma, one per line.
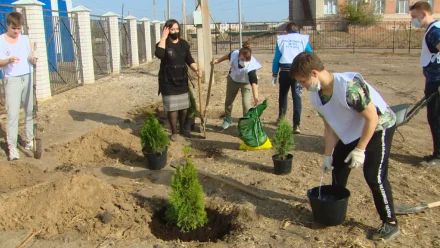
[226,123]
[434,162]
[13,154]
[29,146]
[173,137]
[296,129]
[386,232]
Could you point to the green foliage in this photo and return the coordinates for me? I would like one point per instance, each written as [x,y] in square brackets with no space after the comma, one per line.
[193,108]
[186,151]
[154,139]
[186,207]
[283,140]
[359,14]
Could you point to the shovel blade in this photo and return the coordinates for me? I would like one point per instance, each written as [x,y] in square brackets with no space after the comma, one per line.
[408,209]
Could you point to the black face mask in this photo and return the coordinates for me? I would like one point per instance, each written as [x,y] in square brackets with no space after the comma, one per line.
[174,36]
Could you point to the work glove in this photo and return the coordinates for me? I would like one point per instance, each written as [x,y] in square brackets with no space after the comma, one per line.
[327,164]
[357,157]
[274,80]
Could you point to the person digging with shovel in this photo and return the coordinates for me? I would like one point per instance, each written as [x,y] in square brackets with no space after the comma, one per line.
[242,76]
[16,60]
[358,131]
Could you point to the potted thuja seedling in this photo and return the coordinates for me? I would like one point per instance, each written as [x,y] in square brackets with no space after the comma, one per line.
[186,208]
[283,144]
[154,142]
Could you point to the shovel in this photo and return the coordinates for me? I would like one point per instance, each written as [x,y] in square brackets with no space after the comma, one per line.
[407,209]
[204,117]
[37,140]
[200,103]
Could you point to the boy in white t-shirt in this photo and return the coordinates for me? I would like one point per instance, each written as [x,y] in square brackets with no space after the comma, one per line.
[16,61]
[358,132]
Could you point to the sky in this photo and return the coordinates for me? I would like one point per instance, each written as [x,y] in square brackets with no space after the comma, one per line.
[221,10]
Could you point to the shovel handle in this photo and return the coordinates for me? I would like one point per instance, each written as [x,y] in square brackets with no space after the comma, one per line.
[434,204]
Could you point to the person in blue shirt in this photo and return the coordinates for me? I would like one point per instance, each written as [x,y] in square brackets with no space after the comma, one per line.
[287,48]
[421,14]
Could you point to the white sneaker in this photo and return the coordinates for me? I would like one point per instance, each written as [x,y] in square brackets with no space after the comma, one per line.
[13,154]
[29,146]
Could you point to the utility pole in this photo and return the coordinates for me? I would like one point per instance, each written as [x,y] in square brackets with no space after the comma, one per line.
[239,22]
[154,3]
[169,11]
[200,48]
[184,19]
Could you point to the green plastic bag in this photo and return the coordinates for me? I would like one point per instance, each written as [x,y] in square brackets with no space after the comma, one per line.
[250,129]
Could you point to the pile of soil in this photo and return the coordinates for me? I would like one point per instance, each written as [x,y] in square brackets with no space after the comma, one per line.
[80,203]
[15,175]
[105,144]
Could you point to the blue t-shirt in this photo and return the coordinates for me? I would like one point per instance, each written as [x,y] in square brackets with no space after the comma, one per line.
[432,70]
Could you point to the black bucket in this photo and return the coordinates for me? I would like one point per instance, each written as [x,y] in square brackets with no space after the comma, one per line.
[282,167]
[157,161]
[331,209]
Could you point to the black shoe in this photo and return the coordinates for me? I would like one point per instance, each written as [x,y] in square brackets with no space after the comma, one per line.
[386,232]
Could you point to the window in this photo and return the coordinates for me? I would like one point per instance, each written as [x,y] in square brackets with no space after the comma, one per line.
[330,7]
[402,7]
[355,3]
[379,7]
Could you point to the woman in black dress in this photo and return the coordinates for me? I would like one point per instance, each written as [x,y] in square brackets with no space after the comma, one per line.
[175,55]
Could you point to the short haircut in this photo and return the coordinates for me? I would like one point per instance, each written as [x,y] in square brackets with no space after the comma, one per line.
[421,5]
[246,51]
[304,63]
[291,26]
[15,19]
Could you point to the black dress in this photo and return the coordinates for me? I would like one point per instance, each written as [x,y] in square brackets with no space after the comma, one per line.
[173,74]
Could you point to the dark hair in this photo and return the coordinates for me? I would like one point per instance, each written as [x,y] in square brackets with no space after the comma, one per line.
[15,19]
[246,52]
[291,26]
[170,23]
[421,5]
[304,63]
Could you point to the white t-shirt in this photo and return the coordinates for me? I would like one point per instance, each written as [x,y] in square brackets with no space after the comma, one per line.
[20,49]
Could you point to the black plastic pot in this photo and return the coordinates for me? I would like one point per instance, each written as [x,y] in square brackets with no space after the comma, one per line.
[282,167]
[156,161]
[190,124]
[331,208]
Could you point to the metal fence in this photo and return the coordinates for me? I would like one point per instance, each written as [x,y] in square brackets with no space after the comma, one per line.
[125,43]
[100,46]
[324,34]
[142,49]
[63,51]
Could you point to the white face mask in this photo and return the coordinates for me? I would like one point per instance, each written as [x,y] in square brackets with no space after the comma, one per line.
[244,63]
[315,87]
[416,23]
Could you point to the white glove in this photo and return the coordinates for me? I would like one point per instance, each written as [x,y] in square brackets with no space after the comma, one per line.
[327,164]
[274,81]
[357,157]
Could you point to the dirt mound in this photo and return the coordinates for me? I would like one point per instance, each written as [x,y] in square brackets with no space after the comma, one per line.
[80,203]
[105,144]
[14,175]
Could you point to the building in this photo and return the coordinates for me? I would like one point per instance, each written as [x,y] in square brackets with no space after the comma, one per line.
[305,10]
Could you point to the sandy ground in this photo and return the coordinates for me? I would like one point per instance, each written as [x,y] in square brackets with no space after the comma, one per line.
[92,164]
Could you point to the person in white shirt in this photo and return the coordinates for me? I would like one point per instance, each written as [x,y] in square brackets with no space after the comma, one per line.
[16,60]
[358,131]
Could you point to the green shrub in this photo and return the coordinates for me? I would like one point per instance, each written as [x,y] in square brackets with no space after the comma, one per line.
[193,108]
[359,13]
[283,140]
[186,207]
[154,139]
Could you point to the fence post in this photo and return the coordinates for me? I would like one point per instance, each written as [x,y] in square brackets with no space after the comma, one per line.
[157,31]
[85,44]
[147,30]
[134,49]
[394,31]
[35,26]
[115,49]
[409,38]
[354,37]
